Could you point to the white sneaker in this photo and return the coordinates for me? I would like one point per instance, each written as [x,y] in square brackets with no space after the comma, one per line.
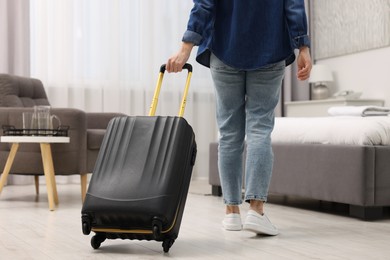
[232,222]
[259,224]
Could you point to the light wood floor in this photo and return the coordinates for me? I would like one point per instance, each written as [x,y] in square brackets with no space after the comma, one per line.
[28,230]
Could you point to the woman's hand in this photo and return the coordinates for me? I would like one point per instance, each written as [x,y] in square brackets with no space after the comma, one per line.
[177,61]
[304,63]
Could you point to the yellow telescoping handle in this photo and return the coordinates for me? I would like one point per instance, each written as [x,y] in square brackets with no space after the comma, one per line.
[153,106]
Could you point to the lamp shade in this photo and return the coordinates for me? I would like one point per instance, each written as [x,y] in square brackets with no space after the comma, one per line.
[320,73]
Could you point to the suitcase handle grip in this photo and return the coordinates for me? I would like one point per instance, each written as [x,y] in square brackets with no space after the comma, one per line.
[153,106]
[186,66]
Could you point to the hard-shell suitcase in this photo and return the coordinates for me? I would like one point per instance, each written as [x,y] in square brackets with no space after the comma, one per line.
[141,177]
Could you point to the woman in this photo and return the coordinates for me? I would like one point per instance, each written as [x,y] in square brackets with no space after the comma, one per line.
[246,45]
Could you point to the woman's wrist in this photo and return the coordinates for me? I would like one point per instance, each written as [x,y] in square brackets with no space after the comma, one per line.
[304,48]
[187,46]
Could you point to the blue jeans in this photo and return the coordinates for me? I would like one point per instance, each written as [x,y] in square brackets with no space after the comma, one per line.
[245,103]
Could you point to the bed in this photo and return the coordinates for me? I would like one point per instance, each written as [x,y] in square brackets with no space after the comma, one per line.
[335,159]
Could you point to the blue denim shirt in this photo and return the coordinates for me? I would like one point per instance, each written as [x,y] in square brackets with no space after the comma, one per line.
[247,34]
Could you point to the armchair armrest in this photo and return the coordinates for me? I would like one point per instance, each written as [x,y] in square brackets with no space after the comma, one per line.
[71,157]
[77,122]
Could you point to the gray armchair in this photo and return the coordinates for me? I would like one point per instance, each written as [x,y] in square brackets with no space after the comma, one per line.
[20,94]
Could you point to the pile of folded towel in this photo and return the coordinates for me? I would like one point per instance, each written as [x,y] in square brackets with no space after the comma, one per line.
[359,111]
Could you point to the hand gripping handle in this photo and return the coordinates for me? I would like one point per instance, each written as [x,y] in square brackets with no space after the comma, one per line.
[186,66]
[153,106]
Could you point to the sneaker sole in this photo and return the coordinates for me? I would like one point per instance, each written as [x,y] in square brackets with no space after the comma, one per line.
[259,229]
[232,227]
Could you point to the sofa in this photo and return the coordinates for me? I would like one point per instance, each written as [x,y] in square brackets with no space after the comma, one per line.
[354,174]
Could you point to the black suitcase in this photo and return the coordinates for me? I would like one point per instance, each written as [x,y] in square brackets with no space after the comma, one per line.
[141,177]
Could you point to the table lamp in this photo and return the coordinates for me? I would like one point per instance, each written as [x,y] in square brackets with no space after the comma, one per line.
[320,75]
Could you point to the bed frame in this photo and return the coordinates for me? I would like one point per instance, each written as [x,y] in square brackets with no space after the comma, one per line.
[355,175]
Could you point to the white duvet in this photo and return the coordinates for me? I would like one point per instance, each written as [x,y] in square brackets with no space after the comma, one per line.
[333,130]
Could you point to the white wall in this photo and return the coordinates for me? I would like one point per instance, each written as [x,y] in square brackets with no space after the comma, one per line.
[367,72]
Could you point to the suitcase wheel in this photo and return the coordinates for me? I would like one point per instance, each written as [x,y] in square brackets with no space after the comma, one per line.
[86,228]
[86,224]
[97,240]
[167,244]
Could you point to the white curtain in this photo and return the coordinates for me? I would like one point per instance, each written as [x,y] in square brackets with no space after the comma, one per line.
[105,55]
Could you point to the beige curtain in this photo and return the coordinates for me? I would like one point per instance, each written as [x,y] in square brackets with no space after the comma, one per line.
[14,37]
[15,48]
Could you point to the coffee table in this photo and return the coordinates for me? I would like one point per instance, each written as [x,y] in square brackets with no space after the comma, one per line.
[47,160]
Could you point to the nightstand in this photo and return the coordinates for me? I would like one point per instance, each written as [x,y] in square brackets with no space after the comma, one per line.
[319,108]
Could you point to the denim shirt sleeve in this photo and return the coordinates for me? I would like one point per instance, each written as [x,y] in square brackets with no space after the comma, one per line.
[297,22]
[200,19]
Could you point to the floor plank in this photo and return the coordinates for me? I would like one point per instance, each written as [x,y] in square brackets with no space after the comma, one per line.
[28,230]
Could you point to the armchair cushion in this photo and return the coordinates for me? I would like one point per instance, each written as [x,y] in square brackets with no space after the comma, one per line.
[100,120]
[95,138]
[96,128]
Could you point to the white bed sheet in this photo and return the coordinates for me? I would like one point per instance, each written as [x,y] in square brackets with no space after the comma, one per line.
[333,130]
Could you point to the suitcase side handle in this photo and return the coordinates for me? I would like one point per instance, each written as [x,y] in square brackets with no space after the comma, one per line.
[153,106]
